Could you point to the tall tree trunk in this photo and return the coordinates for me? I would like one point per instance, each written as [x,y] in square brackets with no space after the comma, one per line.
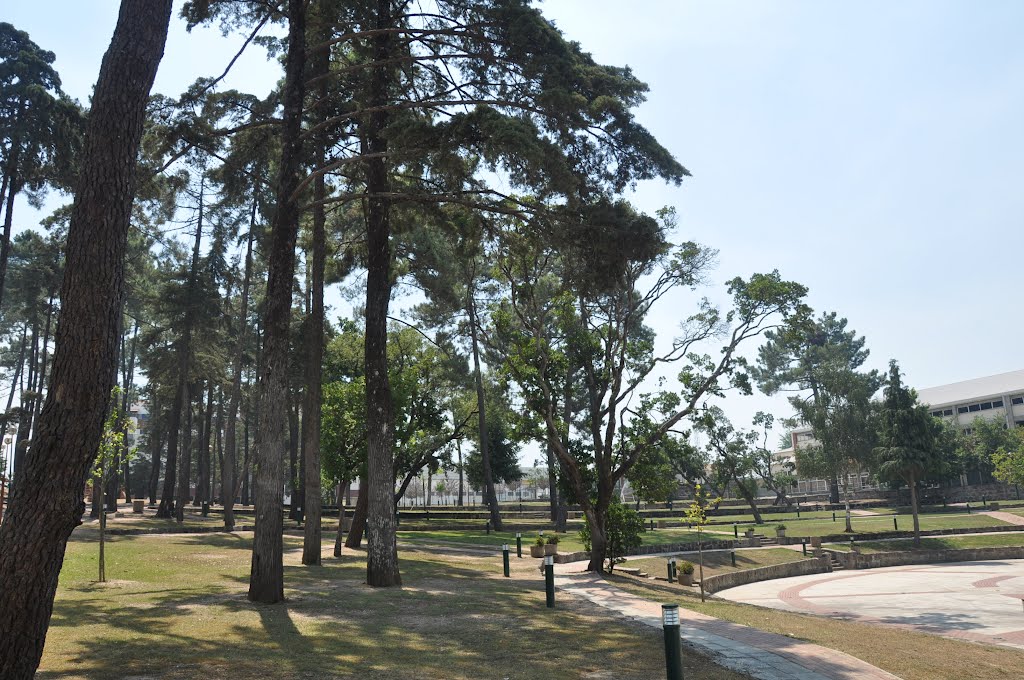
[341,518]
[27,406]
[315,350]
[246,468]
[11,179]
[462,474]
[266,579]
[912,483]
[218,430]
[181,398]
[293,455]
[355,532]
[598,538]
[382,553]
[155,445]
[227,474]
[203,478]
[126,402]
[47,505]
[485,453]
[184,492]
[746,495]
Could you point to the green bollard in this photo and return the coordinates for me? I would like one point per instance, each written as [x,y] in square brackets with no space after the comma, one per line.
[804,543]
[652,525]
[833,516]
[798,511]
[673,646]
[504,559]
[488,526]
[733,556]
[549,580]
[519,545]
[895,526]
[668,568]
[735,531]
[968,508]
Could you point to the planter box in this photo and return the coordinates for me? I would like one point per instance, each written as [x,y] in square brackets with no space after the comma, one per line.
[537,550]
[780,533]
[138,506]
[685,579]
[551,549]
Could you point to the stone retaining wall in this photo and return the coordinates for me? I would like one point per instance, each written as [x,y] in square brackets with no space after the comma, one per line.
[175,530]
[714,584]
[857,560]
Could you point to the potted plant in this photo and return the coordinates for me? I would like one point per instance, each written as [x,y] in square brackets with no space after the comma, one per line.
[552,545]
[685,573]
[537,549]
[780,530]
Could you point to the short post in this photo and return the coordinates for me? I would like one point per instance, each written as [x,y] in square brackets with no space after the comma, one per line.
[968,508]
[668,568]
[519,544]
[895,526]
[804,543]
[733,556]
[549,579]
[652,525]
[504,559]
[833,515]
[673,646]
[984,502]
[488,526]
[851,544]
[798,510]
[398,518]
[206,509]
[735,531]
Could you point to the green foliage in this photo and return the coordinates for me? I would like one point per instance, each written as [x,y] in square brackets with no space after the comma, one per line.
[907,434]
[685,567]
[622,531]
[1009,459]
[504,453]
[652,477]
[552,539]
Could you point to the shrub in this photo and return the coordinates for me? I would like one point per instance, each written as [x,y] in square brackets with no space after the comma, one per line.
[685,567]
[622,533]
[539,542]
[780,527]
[553,539]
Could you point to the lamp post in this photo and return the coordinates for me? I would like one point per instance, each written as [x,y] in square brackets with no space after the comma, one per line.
[549,580]
[673,647]
[504,559]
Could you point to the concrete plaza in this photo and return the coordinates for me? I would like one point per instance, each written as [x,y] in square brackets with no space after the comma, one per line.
[980,601]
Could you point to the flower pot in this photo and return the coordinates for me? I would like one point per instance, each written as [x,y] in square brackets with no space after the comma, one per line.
[780,533]
[686,579]
[537,550]
[551,549]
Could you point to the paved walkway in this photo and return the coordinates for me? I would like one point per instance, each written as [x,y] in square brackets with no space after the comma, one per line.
[979,601]
[762,655]
[1007,517]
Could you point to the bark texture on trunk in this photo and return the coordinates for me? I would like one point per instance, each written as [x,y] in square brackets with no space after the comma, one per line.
[485,454]
[382,553]
[355,532]
[315,358]
[266,578]
[228,484]
[47,504]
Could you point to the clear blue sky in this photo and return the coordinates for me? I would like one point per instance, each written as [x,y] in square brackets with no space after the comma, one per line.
[869,150]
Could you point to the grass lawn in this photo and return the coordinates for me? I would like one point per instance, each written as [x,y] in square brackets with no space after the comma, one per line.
[862,524]
[568,542]
[907,654]
[937,543]
[720,562]
[175,607]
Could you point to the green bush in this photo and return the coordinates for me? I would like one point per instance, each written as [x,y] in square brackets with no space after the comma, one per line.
[553,539]
[539,542]
[685,567]
[622,533]
[780,527]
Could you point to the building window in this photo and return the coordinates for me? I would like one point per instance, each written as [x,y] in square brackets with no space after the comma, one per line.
[937,414]
[986,405]
[997,404]
[1017,401]
[948,412]
[974,407]
[961,409]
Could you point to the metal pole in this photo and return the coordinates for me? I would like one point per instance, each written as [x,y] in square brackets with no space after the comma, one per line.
[549,580]
[833,516]
[733,556]
[804,542]
[488,526]
[668,569]
[504,559]
[735,531]
[519,544]
[895,526]
[673,646]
